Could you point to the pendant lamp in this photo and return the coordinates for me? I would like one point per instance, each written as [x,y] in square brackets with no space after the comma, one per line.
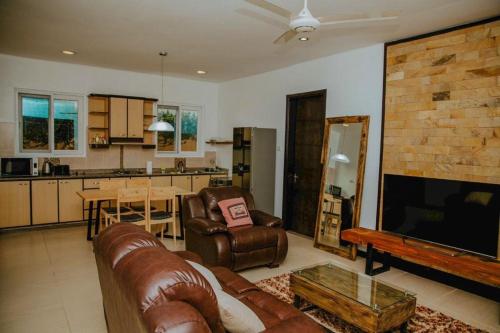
[160,125]
[341,157]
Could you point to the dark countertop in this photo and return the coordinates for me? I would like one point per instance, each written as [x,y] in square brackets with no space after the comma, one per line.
[109,173]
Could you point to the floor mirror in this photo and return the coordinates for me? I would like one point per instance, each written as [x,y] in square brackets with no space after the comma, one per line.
[343,160]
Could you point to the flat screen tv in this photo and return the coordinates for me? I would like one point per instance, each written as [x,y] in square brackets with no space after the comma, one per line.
[458,214]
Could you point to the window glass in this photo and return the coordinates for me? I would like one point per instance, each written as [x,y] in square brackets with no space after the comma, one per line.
[167,140]
[65,124]
[35,112]
[189,130]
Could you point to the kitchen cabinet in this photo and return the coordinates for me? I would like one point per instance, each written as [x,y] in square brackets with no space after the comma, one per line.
[14,204]
[70,204]
[135,114]
[44,208]
[118,117]
[183,182]
[92,183]
[200,182]
[161,181]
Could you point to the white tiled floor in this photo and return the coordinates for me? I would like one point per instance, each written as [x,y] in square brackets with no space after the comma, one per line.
[48,283]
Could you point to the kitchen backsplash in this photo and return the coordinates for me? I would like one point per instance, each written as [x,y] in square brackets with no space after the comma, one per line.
[133,156]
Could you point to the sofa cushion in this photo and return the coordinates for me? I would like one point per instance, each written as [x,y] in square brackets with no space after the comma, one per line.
[212,195]
[232,283]
[207,274]
[249,238]
[236,316]
[235,212]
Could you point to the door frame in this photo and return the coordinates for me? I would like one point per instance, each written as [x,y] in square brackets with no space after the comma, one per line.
[316,93]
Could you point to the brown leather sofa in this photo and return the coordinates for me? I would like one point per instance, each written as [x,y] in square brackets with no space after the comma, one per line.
[146,288]
[264,243]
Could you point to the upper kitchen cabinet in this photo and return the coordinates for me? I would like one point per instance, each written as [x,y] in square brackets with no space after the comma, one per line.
[118,117]
[135,118]
[120,120]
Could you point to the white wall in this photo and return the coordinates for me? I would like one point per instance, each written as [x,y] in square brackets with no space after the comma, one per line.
[17,72]
[354,83]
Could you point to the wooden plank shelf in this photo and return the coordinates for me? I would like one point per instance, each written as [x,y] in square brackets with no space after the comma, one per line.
[99,145]
[473,267]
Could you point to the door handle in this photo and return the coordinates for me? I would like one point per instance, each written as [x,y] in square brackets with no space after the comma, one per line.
[295,178]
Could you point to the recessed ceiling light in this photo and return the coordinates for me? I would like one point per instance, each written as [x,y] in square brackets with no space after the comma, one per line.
[68,52]
[304,39]
[201,72]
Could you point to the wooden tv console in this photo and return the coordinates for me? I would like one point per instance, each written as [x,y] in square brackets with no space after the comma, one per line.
[458,263]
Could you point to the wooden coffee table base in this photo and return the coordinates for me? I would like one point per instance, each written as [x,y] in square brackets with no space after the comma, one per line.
[362,316]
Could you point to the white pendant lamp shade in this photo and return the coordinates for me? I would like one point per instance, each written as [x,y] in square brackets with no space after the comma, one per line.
[161,126]
[341,158]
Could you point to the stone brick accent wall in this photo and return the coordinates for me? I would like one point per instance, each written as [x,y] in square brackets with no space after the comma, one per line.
[442,106]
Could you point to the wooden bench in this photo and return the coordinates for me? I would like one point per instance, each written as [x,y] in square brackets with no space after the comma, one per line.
[463,264]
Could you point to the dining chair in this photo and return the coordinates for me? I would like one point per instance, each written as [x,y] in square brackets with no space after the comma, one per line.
[132,195]
[139,182]
[111,184]
[163,217]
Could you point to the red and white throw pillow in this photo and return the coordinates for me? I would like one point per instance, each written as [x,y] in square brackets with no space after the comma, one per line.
[235,212]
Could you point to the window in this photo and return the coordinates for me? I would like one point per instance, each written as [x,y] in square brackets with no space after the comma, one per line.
[50,124]
[185,139]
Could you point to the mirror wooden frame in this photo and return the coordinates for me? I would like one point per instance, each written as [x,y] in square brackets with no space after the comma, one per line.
[351,251]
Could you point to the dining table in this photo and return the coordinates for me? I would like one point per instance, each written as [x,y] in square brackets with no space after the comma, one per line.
[98,196]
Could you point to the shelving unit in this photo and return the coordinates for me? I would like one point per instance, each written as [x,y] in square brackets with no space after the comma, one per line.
[148,119]
[98,120]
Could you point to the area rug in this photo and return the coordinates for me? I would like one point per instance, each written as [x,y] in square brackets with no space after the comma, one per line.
[425,320]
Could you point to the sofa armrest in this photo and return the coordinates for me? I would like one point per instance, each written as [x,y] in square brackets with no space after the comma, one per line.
[205,226]
[264,219]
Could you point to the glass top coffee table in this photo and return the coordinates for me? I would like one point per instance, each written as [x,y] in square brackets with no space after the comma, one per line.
[358,299]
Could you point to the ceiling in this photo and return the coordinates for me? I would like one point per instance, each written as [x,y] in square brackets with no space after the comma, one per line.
[227,38]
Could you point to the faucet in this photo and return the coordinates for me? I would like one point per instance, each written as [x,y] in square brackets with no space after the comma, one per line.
[180,166]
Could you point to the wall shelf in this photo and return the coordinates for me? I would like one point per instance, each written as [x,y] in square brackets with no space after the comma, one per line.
[219,142]
[99,145]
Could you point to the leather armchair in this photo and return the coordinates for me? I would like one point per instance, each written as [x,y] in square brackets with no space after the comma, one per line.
[264,243]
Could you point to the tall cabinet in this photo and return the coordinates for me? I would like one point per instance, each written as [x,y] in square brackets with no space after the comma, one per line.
[254,164]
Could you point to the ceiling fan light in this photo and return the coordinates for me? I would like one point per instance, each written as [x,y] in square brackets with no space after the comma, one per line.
[303,39]
[341,158]
[161,126]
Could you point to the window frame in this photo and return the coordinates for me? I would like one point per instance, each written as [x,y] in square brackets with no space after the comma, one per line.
[52,96]
[200,148]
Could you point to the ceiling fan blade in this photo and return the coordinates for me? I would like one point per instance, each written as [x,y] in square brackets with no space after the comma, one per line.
[341,17]
[285,37]
[271,7]
[361,20]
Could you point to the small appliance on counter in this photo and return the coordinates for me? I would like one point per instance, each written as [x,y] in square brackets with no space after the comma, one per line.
[11,167]
[47,168]
[149,167]
[61,170]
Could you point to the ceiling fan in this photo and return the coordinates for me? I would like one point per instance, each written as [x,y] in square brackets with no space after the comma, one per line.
[305,22]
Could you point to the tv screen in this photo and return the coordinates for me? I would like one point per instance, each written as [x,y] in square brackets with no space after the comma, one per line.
[463,215]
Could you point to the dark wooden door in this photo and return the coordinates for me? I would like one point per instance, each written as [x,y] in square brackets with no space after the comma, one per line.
[302,174]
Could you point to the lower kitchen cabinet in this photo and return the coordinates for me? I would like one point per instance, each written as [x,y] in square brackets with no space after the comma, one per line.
[70,204]
[200,182]
[44,208]
[14,204]
[183,182]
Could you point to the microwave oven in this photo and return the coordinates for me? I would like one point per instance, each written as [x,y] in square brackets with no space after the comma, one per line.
[18,166]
